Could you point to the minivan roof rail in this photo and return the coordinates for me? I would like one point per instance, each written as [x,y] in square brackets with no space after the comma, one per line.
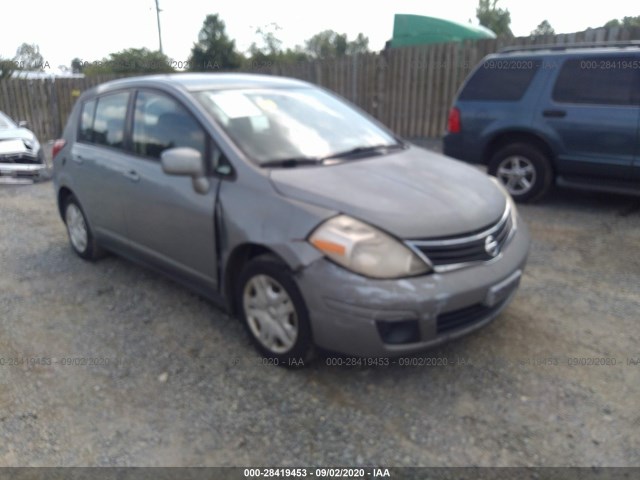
[566,46]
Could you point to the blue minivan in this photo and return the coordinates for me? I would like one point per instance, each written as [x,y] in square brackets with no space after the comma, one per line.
[565,115]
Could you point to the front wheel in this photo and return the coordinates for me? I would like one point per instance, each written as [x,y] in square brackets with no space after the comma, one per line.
[274,312]
[523,170]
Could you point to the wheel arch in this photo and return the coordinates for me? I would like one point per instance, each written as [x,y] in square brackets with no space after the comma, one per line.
[235,263]
[504,138]
[63,194]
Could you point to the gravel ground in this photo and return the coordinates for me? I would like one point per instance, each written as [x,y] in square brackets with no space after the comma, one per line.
[182,386]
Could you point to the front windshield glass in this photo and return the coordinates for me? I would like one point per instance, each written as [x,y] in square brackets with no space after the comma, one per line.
[6,122]
[301,123]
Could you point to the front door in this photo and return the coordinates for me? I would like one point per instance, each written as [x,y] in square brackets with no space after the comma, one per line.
[168,222]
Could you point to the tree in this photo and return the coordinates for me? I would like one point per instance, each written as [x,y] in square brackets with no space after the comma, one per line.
[77,65]
[359,45]
[327,44]
[626,22]
[631,22]
[496,19]
[132,60]
[271,43]
[7,67]
[544,28]
[269,51]
[330,44]
[214,49]
[28,57]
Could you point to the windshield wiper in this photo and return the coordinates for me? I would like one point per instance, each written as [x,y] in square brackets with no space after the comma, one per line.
[363,151]
[292,162]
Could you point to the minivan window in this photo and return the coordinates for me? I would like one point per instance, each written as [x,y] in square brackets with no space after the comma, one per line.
[598,80]
[86,121]
[160,123]
[500,80]
[111,113]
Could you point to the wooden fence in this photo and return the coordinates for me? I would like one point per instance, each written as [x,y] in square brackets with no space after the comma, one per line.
[44,103]
[409,89]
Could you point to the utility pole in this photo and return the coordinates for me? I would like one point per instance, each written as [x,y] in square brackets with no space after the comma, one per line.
[159,31]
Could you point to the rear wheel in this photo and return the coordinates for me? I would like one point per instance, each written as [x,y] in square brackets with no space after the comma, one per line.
[523,170]
[274,312]
[80,235]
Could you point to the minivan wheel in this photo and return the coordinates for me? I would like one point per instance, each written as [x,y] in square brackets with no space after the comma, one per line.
[80,235]
[523,170]
[273,312]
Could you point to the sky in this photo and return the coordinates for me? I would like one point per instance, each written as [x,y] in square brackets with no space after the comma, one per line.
[90,30]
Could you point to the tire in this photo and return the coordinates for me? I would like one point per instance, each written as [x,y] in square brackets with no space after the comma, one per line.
[524,171]
[80,235]
[274,313]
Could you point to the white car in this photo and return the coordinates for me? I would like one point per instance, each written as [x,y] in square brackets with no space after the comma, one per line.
[21,155]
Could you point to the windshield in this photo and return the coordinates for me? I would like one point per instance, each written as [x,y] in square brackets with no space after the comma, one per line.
[6,122]
[301,123]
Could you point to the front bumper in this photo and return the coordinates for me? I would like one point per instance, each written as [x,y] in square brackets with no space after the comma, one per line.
[365,317]
[22,170]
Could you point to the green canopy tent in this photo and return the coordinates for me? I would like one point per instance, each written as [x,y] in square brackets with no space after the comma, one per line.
[411,30]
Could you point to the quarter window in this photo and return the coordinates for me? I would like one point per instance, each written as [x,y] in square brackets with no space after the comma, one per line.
[161,123]
[110,117]
[598,80]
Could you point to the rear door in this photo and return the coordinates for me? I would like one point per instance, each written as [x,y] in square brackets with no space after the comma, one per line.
[592,113]
[168,222]
[98,163]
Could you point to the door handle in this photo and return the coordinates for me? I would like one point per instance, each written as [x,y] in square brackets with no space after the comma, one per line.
[77,158]
[554,113]
[132,175]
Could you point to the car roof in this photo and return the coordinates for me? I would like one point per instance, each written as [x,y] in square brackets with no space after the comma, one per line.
[567,50]
[204,81]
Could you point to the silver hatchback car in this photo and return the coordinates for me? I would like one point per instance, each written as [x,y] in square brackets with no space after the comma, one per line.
[301,214]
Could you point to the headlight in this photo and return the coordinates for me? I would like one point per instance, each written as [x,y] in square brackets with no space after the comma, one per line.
[366,250]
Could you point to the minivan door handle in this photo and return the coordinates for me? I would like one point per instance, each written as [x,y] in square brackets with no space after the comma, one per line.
[132,175]
[77,158]
[554,113]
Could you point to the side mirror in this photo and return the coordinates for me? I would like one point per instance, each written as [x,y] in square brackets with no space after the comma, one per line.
[23,124]
[188,162]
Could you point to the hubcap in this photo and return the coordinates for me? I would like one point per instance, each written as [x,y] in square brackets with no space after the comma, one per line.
[517,174]
[270,313]
[77,228]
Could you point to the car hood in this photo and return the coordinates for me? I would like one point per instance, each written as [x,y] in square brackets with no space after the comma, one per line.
[411,194]
[11,133]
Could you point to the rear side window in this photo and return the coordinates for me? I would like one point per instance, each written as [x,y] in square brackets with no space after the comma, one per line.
[598,80]
[110,118]
[500,80]
[86,121]
[160,123]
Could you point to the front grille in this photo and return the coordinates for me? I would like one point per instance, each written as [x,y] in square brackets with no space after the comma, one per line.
[474,247]
[465,316]
[17,158]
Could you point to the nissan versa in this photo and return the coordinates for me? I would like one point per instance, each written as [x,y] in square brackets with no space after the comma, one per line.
[304,216]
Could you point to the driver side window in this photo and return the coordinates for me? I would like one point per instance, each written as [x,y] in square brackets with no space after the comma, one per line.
[161,123]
